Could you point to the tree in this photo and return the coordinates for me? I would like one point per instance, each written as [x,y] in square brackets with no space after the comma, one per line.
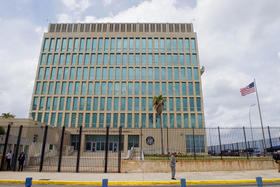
[158,104]
[7,115]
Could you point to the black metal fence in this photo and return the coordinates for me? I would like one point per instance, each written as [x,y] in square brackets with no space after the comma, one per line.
[49,148]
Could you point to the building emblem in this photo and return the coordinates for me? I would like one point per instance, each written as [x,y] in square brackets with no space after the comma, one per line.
[150,140]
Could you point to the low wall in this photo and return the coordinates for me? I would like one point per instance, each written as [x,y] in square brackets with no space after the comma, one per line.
[135,166]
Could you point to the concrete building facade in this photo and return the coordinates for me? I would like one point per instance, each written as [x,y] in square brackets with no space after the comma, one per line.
[106,74]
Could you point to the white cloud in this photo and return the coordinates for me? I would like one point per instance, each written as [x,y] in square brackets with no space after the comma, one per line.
[107,2]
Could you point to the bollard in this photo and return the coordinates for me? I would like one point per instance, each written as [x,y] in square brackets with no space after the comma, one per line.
[259,182]
[104,182]
[28,182]
[183,183]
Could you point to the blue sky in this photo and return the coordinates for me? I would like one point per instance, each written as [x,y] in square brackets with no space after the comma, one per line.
[238,41]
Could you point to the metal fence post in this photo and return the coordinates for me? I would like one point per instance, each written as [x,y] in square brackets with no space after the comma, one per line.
[106,149]
[120,150]
[194,154]
[245,143]
[79,150]
[5,147]
[220,143]
[43,148]
[269,137]
[17,147]
[61,149]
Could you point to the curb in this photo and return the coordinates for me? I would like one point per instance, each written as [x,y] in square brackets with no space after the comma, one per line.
[138,183]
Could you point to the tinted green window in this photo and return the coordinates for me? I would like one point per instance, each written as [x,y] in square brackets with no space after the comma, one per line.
[82,44]
[178,104]
[197,88]
[53,119]
[104,74]
[49,59]
[88,44]
[137,45]
[193,120]
[170,76]
[110,88]
[129,120]
[190,84]
[55,59]
[87,120]
[143,59]
[35,103]
[70,88]
[136,120]
[163,73]
[95,104]
[136,89]
[99,59]
[119,44]
[118,59]
[157,90]
[70,43]
[143,44]
[125,44]
[130,73]
[163,88]
[117,74]
[162,45]
[46,118]
[150,74]
[83,91]
[112,44]
[151,120]
[38,85]
[143,90]
[170,88]
[40,75]
[91,73]
[96,89]
[184,89]
[117,88]
[46,43]
[156,73]
[199,120]
[74,59]
[123,73]
[63,44]
[75,103]
[194,60]
[63,90]
[102,103]
[143,119]
[97,75]
[176,73]
[54,107]
[76,43]
[150,59]
[49,102]
[131,44]
[174,42]
[188,59]
[66,119]
[156,44]
[171,120]
[115,121]
[77,88]
[57,88]
[130,88]
[123,88]
[61,103]
[129,104]
[88,105]
[168,44]
[80,119]
[136,104]
[68,103]
[150,88]
[92,62]
[150,44]
[123,104]
[181,47]
[150,101]
[189,73]
[112,59]
[171,104]
[143,104]
[52,45]
[162,60]
[195,72]
[109,103]
[73,120]
[191,103]
[100,44]
[137,74]
[116,104]
[122,120]
[124,62]
[103,88]
[193,44]
[164,120]
[143,73]
[108,120]
[90,88]
[94,120]
[179,122]
[198,104]
[186,121]
[106,47]
[187,45]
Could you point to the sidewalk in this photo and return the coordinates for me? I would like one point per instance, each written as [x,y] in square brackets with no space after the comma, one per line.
[189,176]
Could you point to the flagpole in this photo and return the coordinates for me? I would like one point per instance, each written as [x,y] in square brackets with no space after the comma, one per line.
[260,116]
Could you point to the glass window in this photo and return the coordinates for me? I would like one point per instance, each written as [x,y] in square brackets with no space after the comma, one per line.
[194,60]
[106,44]
[136,104]
[184,89]
[123,104]
[191,103]
[174,44]
[171,120]
[96,89]
[143,120]
[95,104]
[123,88]
[175,60]
[91,73]
[151,120]
[110,88]
[53,119]
[61,103]
[46,43]
[137,74]
[179,122]
[183,74]
[70,43]
[188,60]
[163,74]
[77,88]
[131,44]
[190,84]
[76,42]
[143,60]
[70,88]
[57,88]
[112,44]
[150,44]
[99,59]
[129,104]
[101,120]
[181,47]
[109,103]
[170,76]
[97,75]
[136,89]
[74,59]
[130,73]
[150,101]
[66,119]
[105,59]
[170,88]
[156,60]
[102,103]
[52,45]
[129,120]
[38,85]
[122,120]
[73,120]
[116,104]
[92,62]
[75,103]
[78,74]
[112,59]
[100,44]
[162,45]
[186,121]
[189,73]
[137,44]
[124,62]
[193,120]
[82,44]
[55,59]
[124,74]
[83,91]
[150,59]
[115,121]
[125,44]
[119,44]
[35,103]
[168,44]
[87,120]
[40,75]
[67,62]
[49,101]
[177,88]
[156,44]
[49,59]
[68,103]
[90,88]
[163,88]
[54,107]
[103,88]
[169,60]
[104,74]
[187,45]
[108,120]
[143,104]
[176,73]
[157,88]
[117,88]
[150,88]
[150,74]
[162,60]
[199,120]
[197,88]
[136,120]
[195,72]
[117,74]
[88,106]
[143,90]
[63,44]
[198,104]
[143,44]
[85,73]
[130,88]
[88,44]
[143,74]
[193,44]
[171,104]
[178,104]
[63,91]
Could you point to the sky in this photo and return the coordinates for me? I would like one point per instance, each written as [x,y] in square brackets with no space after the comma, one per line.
[238,41]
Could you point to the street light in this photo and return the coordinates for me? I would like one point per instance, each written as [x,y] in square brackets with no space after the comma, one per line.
[254,145]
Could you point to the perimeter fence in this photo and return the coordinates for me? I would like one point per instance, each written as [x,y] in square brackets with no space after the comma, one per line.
[48,148]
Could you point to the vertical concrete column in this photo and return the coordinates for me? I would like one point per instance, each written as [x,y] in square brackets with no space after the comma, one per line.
[83,142]
[125,143]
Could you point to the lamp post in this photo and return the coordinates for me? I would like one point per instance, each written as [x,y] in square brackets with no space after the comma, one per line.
[251,125]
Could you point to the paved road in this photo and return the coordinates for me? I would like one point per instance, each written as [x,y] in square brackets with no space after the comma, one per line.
[212,185]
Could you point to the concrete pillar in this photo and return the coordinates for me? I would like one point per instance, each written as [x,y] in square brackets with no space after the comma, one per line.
[125,143]
[83,143]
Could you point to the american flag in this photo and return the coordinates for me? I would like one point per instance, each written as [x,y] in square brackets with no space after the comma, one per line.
[248,89]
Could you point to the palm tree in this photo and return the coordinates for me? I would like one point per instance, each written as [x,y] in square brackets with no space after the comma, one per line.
[7,115]
[158,104]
